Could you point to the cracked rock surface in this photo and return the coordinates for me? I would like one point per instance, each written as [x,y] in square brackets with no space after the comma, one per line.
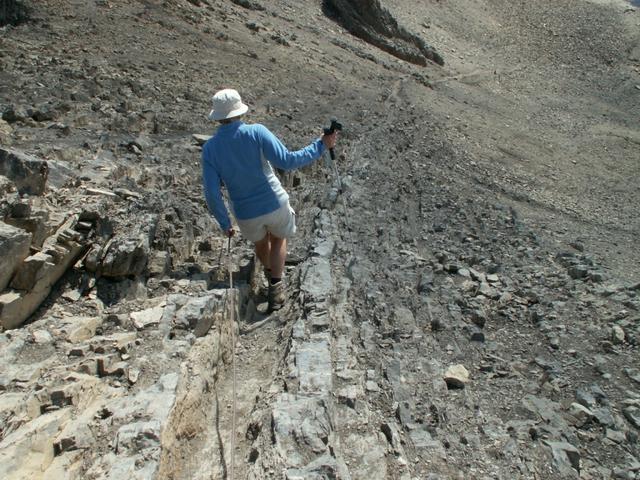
[462,292]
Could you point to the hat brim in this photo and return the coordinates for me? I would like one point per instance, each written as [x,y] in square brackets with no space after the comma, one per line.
[221,115]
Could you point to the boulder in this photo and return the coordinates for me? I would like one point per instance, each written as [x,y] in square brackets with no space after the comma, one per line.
[14,245]
[28,173]
[30,449]
[38,273]
[35,220]
[128,255]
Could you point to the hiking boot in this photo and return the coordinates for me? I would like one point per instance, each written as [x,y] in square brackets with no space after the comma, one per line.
[276,296]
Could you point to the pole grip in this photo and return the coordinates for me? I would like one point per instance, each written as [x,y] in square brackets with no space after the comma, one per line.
[335,125]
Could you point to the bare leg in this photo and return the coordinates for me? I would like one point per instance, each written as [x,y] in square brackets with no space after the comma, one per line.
[263,251]
[277,256]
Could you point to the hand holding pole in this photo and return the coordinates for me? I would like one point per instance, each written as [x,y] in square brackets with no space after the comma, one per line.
[335,126]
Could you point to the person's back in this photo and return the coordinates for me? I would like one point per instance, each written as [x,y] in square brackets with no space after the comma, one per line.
[235,152]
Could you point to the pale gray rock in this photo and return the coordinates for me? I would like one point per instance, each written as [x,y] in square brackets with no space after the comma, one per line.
[566,458]
[316,279]
[5,134]
[632,414]
[349,395]
[369,450]
[138,436]
[42,336]
[128,254]
[199,313]
[422,439]
[325,467]
[313,362]
[37,275]
[325,248]
[617,335]
[580,414]
[14,245]
[149,317]
[30,448]
[300,426]
[456,376]
[404,321]
[200,139]
[633,374]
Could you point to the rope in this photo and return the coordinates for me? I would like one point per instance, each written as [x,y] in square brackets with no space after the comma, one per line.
[233,364]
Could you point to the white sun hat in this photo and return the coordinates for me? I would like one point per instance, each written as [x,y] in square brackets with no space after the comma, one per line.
[227,104]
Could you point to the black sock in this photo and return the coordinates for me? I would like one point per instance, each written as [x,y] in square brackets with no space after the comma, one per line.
[275,280]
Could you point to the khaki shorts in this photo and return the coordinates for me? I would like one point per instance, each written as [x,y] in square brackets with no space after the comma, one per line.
[281,223]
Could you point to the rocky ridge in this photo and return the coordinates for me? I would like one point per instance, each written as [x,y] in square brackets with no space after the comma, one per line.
[432,331]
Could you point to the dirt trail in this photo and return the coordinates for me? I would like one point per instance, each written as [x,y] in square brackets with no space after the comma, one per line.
[258,356]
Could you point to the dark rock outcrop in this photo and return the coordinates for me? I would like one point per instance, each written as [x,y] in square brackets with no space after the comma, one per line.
[251,5]
[370,21]
[12,12]
[29,174]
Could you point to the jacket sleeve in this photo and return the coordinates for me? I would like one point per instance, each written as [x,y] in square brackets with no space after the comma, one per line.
[213,194]
[278,155]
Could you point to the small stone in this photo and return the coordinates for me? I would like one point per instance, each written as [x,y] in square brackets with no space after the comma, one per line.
[585,398]
[493,278]
[632,414]
[565,454]
[437,324]
[477,335]
[348,396]
[79,351]
[479,318]
[581,414]
[148,317]
[616,436]
[41,336]
[255,26]
[200,139]
[97,191]
[456,377]
[133,374]
[633,374]
[578,271]
[488,291]
[617,335]
[464,272]
[71,295]
[607,347]
[372,386]
[477,276]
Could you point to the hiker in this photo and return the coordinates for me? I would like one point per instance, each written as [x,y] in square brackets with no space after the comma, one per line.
[241,157]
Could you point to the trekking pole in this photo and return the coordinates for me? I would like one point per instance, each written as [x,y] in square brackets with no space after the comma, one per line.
[233,363]
[335,125]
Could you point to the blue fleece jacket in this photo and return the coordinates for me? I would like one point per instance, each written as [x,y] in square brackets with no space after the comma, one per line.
[241,156]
